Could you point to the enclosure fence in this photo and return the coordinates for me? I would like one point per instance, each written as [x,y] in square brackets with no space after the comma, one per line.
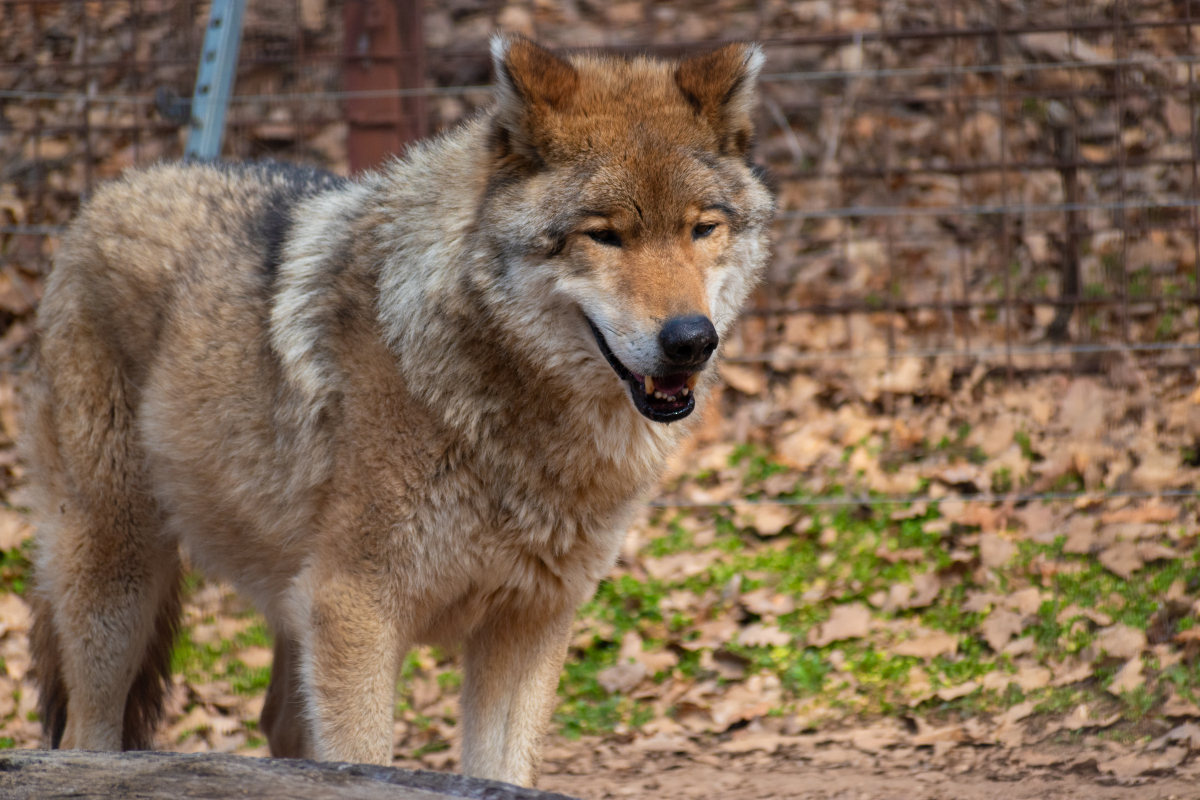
[967,185]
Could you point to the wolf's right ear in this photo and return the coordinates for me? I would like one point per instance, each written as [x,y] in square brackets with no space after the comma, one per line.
[532,86]
[720,86]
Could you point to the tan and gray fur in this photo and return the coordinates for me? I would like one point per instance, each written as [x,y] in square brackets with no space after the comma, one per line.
[375,406]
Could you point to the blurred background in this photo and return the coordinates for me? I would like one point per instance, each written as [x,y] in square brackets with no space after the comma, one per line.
[948,489]
[1004,183]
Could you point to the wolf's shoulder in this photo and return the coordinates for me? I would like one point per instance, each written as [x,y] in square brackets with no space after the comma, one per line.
[274,181]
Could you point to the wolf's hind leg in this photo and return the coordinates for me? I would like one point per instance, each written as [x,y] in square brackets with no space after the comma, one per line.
[513,665]
[106,577]
[102,643]
[283,715]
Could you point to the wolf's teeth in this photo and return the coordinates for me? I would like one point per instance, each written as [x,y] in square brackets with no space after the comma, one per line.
[686,391]
[692,380]
[671,398]
[649,385]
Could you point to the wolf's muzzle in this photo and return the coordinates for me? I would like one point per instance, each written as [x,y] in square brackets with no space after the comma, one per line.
[661,398]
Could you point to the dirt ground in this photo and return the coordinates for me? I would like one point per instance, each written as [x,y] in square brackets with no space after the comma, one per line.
[806,771]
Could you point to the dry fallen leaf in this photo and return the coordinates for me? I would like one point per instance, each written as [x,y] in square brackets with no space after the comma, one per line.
[928,735]
[745,701]
[255,657]
[1188,733]
[927,586]
[1178,706]
[1153,512]
[1072,612]
[713,634]
[1083,408]
[196,719]
[851,621]
[917,509]
[1032,677]
[632,650]
[1081,718]
[755,742]
[928,646]
[1149,551]
[995,551]
[913,554]
[765,601]
[680,566]
[622,678]
[955,692]
[767,520]
[14,529]
[746,380]
[1128,678]
[1017,713]
[1081,535]
[664,743]
[729,666]
[1118,641]
[1019,647]
[874,739]
[657,661]
[14,614]
[977,602]
[8,703]
[1040,522]
[1127,766]
[1026,601]
[1070,672]
[802,449]
[759,635]
[1000,626]
[1122,559]
[1157,471]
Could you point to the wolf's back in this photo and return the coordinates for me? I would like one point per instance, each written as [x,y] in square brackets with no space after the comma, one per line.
[176,239]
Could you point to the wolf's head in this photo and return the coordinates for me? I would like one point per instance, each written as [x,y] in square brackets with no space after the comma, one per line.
[622,190]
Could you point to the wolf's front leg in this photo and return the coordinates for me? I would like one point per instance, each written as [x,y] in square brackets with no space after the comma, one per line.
[513,663]
[351,655]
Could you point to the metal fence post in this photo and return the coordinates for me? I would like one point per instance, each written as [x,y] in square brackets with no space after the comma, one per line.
[214,78]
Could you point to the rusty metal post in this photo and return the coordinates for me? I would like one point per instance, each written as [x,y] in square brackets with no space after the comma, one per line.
[1065,127]
[385,47]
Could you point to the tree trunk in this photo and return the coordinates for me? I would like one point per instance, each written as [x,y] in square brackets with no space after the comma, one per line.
[52,774]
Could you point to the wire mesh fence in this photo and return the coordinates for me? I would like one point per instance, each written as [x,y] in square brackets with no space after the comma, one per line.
[963,185]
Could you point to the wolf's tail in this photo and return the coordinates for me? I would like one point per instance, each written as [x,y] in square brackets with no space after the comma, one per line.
[47,672]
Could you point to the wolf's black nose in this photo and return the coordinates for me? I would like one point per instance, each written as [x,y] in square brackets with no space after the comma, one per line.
[688,341]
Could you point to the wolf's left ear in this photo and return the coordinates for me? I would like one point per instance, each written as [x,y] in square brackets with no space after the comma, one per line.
[532,84]
[721,88]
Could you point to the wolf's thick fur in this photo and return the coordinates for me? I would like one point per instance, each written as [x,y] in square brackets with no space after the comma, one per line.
[377,407]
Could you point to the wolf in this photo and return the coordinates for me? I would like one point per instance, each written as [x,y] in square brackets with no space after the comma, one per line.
[420,406]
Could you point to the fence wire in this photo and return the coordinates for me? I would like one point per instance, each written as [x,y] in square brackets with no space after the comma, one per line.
[960,180]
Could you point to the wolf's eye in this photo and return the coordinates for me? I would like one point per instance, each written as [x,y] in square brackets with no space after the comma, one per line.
[605,237]
[703,229]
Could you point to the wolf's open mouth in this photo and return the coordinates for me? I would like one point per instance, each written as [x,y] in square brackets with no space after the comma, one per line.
[662,398]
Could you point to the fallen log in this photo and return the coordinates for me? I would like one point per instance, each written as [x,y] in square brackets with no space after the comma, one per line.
[79,775]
